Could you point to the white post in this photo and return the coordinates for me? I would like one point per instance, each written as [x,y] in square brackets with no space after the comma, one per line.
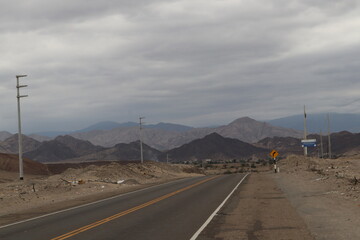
[321,145]
[141,147]
[18,86]
[328,118]
[305,132]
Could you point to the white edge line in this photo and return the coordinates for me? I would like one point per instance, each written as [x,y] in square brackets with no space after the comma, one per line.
[87,204]
[216,211]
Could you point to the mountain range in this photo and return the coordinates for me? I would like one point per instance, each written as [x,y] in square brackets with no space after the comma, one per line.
[244,129]
[213,146]
[317,122]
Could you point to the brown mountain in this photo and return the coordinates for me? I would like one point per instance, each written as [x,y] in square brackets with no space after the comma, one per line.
[244,129]
[284,145]
[216,147]
[10,162]
[11,144]
[342,143]
[249,130]
[122,152]
[62,148]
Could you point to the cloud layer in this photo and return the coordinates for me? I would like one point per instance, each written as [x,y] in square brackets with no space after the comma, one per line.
[192,62]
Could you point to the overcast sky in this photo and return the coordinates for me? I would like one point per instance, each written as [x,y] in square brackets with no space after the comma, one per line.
[194,62]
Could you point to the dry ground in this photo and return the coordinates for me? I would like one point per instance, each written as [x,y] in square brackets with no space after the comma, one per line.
[41,194]
[309,199]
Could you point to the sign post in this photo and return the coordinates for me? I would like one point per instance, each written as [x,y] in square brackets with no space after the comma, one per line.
[274,154]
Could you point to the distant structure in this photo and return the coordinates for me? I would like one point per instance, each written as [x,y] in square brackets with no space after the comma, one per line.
[140,138]
[18,86]
[305,132]
[329,139]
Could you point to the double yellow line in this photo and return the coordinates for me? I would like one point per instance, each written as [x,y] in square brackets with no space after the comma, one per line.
[113,217]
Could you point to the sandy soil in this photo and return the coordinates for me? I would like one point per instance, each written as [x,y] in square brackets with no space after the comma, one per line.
[37,195]
[325,193]
[309,199]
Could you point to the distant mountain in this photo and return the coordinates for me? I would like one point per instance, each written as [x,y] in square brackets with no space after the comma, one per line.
[249,130]
[62,148]
[11,144]
[170,127]
[342,143]
[283,145]
[244,129]
[318,121]
[10,162]
[39,138]
[4,135]
[107,125]
[122,152]
[215,147]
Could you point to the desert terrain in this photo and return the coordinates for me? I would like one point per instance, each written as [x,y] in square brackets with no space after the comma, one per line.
[40,194]
[310,198]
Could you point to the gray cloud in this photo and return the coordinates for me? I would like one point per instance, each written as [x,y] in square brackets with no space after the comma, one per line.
[192,62]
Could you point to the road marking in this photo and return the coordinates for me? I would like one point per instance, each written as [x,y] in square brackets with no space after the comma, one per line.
[216,211]
[87,204]
[113,217]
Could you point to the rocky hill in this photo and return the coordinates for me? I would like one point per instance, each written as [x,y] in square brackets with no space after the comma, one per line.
[10,162]
[216,147]
[62,148]
[11,144]
[4,135]
[342,144]
[284,145]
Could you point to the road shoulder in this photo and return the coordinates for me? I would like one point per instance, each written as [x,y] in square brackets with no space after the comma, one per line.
[258,210]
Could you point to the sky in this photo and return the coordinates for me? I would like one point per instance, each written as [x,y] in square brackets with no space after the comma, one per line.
[193,62]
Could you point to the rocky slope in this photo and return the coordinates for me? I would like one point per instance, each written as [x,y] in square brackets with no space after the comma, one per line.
[62,148]
[10,163]
[214,147]
[11,144]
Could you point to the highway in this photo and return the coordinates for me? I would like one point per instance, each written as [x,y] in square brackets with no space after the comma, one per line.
[174,210]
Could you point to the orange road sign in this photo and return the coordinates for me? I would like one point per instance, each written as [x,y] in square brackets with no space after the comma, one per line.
[274,154]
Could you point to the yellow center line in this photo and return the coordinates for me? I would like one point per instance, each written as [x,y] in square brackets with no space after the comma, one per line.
[108,219]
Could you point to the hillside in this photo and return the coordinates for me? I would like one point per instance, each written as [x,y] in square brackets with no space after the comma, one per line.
[10,163]
[284,145]
[11,144]
[249,130]
[215,147]
[61,148]
[4,135]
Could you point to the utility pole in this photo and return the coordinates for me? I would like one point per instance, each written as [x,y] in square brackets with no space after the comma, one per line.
[321,145]
[305,133]
[328,121]
[18,86]
[167,158]
[141,147]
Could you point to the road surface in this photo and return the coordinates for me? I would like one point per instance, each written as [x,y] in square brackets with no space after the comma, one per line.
[175,210]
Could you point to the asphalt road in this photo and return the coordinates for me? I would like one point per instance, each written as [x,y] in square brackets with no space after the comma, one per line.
[175,210]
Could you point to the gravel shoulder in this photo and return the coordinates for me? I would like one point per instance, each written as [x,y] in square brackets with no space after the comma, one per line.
[308,199]
[257,210]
